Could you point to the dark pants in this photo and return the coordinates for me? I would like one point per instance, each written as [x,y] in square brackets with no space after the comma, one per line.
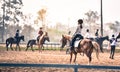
[77,36]
[16,39]
[112,52]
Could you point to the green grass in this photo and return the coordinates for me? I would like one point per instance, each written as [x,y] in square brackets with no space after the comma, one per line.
[2,48]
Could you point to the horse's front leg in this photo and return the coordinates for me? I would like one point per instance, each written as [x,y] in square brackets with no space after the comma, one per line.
[7,46]
[75,57]
[90,58]
[71,56]
[39,47]
[19,47]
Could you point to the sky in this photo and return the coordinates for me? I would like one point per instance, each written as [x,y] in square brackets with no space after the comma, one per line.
[69,11]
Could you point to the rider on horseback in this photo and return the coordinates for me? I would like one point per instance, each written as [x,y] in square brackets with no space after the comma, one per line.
[40,34]
[17,35]
[77,34]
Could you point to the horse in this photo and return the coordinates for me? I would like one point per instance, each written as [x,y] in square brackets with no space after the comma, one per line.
[84,45]
[41,40]
[12,40]
[100,40]
[34,42]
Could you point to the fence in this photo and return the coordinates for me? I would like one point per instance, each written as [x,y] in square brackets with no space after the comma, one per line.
[52,44]
[75,67]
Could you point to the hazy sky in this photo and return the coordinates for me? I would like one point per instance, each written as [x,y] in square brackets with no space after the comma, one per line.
[69,11]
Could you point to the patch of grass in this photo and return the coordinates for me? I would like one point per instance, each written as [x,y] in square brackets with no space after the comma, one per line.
[2,48]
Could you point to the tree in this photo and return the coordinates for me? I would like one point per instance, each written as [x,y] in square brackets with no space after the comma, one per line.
[11,13]
[11,29]
[28,32]
[92,17]
[42,16]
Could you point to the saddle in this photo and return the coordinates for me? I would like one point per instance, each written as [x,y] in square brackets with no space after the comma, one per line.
[77,44]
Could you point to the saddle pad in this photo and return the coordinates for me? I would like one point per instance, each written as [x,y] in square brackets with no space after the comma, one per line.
[76,43]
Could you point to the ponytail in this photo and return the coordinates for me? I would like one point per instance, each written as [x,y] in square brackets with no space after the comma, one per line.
[81,26]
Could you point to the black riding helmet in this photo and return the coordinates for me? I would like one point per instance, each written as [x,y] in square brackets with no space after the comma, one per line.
[17,30]
[80,21]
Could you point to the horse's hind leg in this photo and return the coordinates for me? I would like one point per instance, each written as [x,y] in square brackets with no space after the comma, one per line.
[11,47]
[90,58]
[32,48]
[19,48]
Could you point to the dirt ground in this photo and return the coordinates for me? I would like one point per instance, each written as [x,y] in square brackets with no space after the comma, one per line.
[54,57]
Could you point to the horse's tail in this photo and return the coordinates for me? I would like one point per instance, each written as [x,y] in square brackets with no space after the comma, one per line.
[96,47]
[28,44]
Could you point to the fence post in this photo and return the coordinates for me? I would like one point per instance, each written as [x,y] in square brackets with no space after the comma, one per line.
[76,68]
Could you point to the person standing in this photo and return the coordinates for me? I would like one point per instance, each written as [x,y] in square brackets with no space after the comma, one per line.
[112,45]
[77,33]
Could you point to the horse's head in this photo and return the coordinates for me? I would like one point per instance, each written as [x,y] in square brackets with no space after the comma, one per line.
[47,38]
[45,34]
[104,38]
[44,37]
[107,38]
[63,41]
[22,38]
[118,36]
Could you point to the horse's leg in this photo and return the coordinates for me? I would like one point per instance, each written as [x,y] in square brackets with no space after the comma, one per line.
[11,46]
[39,47]
[27,48]
[32,47]
[16,47]
[7,46]
[71,56]
[89,56]
[101,48]
[75,57]
[19,47]
[42,47]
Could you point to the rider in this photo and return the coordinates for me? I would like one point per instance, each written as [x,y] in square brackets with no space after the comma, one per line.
[77,34]
[87,35]
[40,34]
[17,35]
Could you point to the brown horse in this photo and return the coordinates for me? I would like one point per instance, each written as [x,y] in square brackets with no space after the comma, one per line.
[85,45]
[41,40]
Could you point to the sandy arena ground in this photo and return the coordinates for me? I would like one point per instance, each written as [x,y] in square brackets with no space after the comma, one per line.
[53,57]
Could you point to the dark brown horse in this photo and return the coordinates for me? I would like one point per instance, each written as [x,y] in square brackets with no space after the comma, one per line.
[10,41]
[85,45]
[41,40]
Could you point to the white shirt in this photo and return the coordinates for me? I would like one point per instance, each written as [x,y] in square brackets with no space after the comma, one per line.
[113,43]
[87,35]
[78,30]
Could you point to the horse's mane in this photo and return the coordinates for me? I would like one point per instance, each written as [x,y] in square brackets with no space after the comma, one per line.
[43,35]
[118,35]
